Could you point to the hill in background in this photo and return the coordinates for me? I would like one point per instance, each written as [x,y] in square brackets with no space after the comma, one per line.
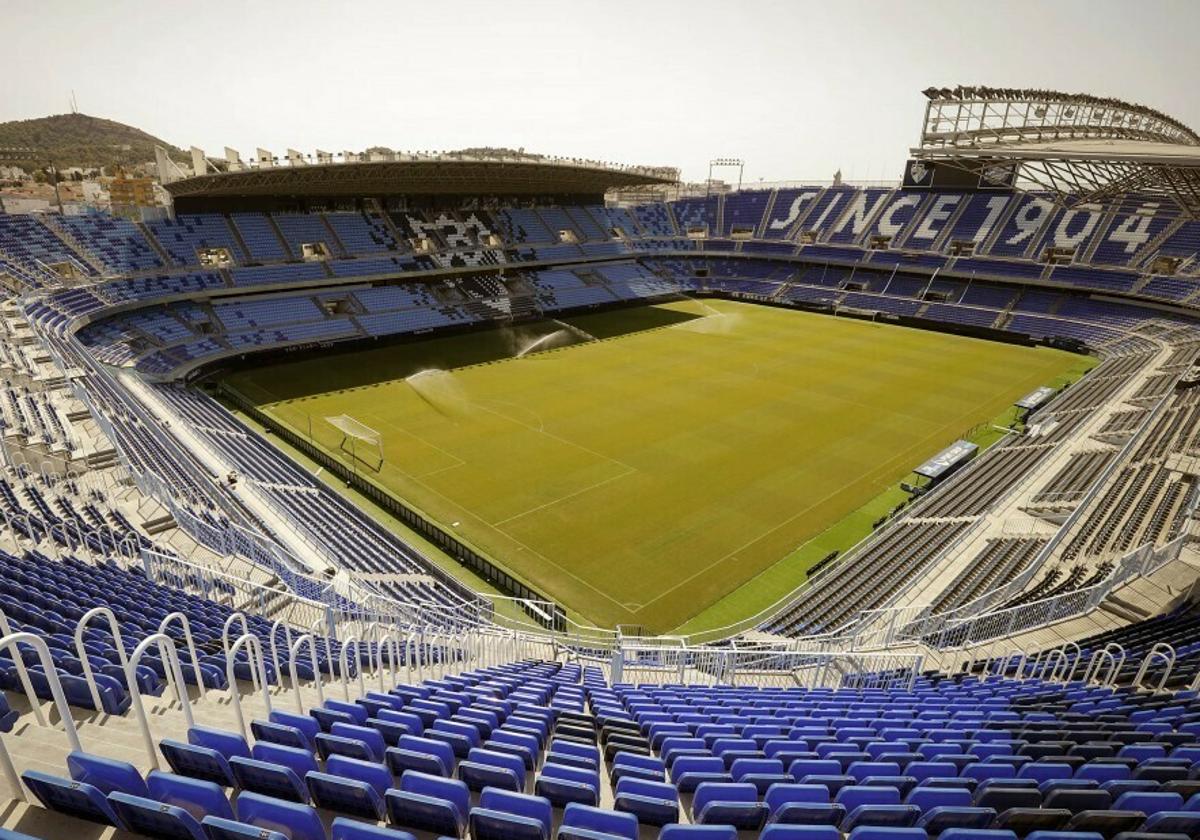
[78,140]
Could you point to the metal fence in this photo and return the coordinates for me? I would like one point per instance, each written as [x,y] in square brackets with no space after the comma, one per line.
[790,664]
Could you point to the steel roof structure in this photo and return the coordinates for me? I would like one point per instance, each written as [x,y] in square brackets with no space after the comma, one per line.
[425,175]
[1079,148]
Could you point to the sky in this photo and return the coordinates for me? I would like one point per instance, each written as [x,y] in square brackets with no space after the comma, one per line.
[796,89]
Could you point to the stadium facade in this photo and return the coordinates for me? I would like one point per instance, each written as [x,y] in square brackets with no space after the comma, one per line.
[160,549]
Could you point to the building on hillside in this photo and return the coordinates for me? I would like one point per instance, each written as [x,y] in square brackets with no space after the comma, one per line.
[128,192]
[15,203]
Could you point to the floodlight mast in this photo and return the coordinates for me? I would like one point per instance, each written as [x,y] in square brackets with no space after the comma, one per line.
[720,163]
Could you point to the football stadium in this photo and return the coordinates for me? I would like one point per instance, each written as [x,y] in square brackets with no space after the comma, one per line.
[493,495]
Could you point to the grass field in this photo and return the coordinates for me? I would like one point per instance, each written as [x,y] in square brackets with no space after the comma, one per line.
[686,464]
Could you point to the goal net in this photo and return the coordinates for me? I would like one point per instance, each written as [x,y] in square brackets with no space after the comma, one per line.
[354,432]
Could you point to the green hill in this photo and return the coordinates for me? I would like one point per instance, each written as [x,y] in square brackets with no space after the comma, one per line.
[77,140]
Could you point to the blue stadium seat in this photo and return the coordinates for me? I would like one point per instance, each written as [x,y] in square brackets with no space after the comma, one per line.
[583,822]
[410,749]
[268,779]
[196,796]
[503,815]
[326,718]
[197,762]
[68,796]
[278,733]
[689,771]
[155,819]
[487,768]
[1173,822]
[8,716]
[876,832]
[801,804]
[781,831]
[105,774]
[940,818]
[640,766]
[697,832]
[347,829]
[728,803]
[350,786]
[219,828]
[305,723]
[328,745]
[293,820]
[566,785]
[429,803]
[228,744]
[8,834]
[366,734]
[652,803]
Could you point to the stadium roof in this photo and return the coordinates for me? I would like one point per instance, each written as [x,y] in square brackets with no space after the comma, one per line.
[1076,146]
[412,174]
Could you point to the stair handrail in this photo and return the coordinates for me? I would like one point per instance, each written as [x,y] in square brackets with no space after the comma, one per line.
[1069,676]
[1097,662]
[233,616]
[1116,648]
[287,640]
[182,619]
[22,672]
[410,651]
[1015,655]
[343,663]
[88,675]
[170,657]
[1166,653]
[258,675]
[387,640]
[11,641]
[293,653]
[1050,664]
[320,629]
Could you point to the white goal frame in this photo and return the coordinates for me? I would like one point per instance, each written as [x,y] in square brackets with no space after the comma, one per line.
[354,430]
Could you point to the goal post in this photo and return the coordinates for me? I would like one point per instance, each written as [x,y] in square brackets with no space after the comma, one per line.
[354,433]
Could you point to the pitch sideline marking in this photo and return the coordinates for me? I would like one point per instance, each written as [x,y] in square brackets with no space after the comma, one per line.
[558,438]
[785,522]
[571,495]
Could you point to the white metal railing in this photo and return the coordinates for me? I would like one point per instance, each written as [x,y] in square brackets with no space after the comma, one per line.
[293,656]
[84,657]
[11,642]
[344,665]
[276,626]
[790,664]
[1166,654]
[170,659]
[237,593]
[1026,617]
[182,620]
[258,676]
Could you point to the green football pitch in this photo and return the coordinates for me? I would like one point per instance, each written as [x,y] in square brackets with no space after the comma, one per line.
[686,452]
